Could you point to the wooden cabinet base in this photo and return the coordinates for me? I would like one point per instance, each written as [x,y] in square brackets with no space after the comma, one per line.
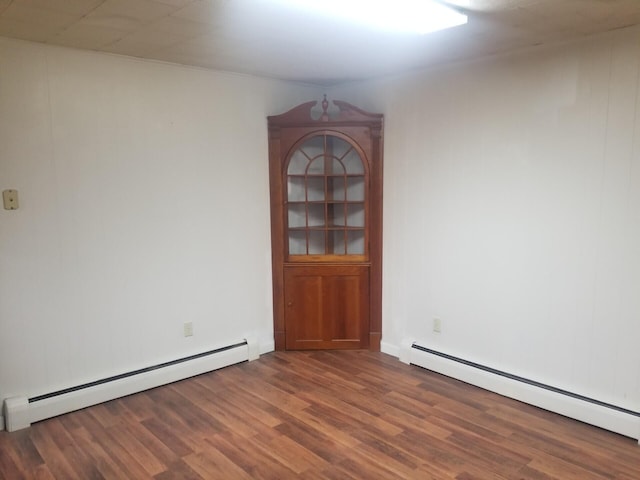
[326,307]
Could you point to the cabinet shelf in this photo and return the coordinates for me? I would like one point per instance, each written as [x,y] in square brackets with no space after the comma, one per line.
[321,228]
[328,175]
[324,202]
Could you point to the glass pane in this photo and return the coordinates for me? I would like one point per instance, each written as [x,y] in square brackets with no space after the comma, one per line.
[355,189]
[316,167]
[355,215]
[297,164]
[316,215]
[297,243]
[295,189]
[339,146]
[355,242]
[316,242]
[336,167]
[353,163]
[336,189]
[314,146]
[339,247]
[315,189]
[297,215]
[336,214]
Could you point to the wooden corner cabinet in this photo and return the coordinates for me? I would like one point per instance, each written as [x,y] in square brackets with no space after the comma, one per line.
[325,170]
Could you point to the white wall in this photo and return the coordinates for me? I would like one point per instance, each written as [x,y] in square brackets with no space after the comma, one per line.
[512,212]
[144,204]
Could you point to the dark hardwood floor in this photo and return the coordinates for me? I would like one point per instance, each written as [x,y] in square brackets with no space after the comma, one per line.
[316,415]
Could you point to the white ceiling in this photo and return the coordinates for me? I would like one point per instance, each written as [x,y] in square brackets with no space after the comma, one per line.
[262,38]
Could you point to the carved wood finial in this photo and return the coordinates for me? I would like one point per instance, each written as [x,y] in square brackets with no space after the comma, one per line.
[303,114]
[325,107]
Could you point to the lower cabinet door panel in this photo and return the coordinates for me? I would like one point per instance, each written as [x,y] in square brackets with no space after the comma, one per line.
[326,306]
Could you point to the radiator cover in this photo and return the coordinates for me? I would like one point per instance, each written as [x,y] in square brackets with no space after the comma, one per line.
[21,412]
[573,405]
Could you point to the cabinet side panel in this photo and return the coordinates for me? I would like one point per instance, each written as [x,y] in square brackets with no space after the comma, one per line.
[277,240]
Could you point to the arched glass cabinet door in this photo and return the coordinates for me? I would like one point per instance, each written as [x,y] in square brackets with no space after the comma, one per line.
[326,199]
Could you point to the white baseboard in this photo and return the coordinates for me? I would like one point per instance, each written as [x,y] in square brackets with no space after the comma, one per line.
[267,346]
[624,423]
[389,349]
[20,412]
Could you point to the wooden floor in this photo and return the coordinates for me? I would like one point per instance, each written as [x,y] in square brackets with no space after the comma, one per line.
[318,415]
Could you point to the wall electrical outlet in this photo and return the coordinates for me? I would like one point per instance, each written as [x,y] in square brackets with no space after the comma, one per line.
[437,325]
[188,329]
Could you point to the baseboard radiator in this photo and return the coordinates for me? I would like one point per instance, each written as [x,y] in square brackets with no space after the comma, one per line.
[573,405]
[21,412]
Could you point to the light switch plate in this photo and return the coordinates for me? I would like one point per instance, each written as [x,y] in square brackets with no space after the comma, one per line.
[10,199]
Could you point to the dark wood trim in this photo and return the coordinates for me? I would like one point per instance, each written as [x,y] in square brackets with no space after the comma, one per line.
[374,341]
[277,227]
[375,247]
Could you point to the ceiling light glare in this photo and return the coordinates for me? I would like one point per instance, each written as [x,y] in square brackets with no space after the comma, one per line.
[407,16]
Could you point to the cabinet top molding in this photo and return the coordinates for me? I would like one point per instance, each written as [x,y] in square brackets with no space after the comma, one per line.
[303,115]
